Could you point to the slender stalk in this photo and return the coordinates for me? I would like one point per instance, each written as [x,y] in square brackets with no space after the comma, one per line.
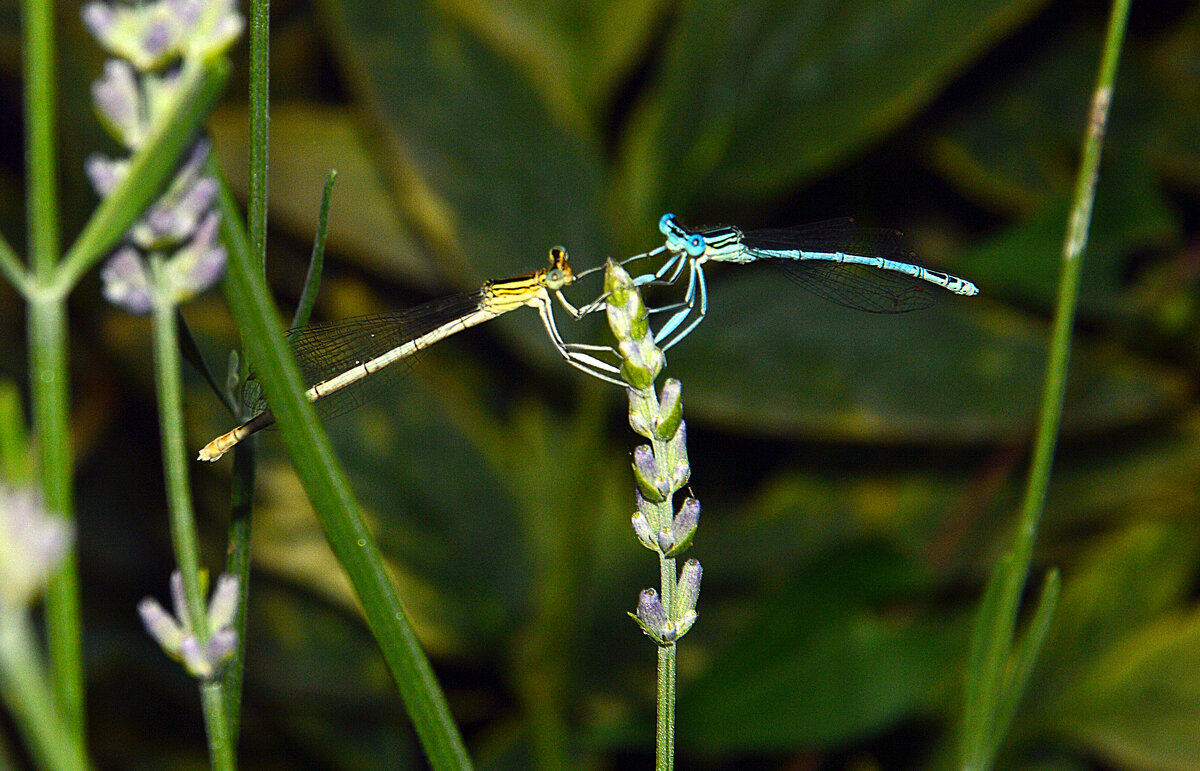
[41,136]
[238,564]
[996,669]
[169,384]
[242,494]
[1055,385]
[12,269]
[664,727]
[29,696]
[50,397]
[48,349]
[260,102]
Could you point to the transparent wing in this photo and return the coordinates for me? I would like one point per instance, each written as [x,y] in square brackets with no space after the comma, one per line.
[860,287]
[325,350]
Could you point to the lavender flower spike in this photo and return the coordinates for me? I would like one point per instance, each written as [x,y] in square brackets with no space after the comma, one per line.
[178,637]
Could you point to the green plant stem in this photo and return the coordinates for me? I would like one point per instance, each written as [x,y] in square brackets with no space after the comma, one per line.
[221,751]
[12,269]
[30,698]
[996,671]
[49,388]
[260,102]
[41,136]
[169,382]
[1055,385]
[333,501]
[664,759]
[48,351]
[241,507]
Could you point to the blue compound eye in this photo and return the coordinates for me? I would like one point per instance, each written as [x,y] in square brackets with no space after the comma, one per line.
[695,245]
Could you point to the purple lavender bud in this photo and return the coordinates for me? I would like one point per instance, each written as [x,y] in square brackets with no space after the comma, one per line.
[670,409]
[680,475]
[645,473]
[173,218]
[158,40]
[185,12]
[104,173]
[665,539]
[177,636]
[99,19]
[127,282]
[678,441]
[637,421]
[688,517]
[641,528]
[683,527]
[643,362]
[32,543]
[643,461]
[209,27]
[115,94]
[651,616]
[221,647]
[222,608]
[193,658]
[689,586]
[160,625]
[179,601]
[199,265]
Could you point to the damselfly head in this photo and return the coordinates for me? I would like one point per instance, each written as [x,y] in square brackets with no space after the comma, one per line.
[559,273]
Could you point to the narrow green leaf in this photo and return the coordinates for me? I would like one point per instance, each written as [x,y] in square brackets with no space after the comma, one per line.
[312,281]
[991,638]
[1022,661]
[191,353]
[329,490]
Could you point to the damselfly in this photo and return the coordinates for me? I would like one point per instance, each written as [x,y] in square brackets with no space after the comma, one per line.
[336,357]
[863,268]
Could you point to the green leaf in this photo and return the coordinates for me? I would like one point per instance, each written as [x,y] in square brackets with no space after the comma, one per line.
[574,51]
[769,358]
[1016,145]
[465,127]
[1138,704]
[1118,673]
[757,97]
[817,663]
[1125,582]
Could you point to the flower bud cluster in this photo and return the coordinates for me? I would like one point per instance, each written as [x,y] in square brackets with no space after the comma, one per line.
[153,43]
[178,635]
[660,467]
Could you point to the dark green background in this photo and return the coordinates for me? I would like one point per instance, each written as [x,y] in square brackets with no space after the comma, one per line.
[858,473]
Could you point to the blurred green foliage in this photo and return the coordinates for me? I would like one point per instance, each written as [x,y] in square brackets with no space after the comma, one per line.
[858,473]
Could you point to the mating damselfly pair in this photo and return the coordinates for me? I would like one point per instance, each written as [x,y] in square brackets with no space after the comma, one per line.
[862,268]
